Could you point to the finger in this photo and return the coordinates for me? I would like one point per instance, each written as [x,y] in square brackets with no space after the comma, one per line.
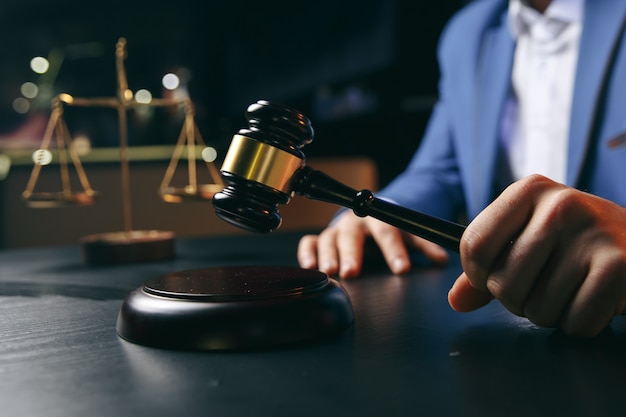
[463,297]
[432,251]
[307,252]
[494,230]
[601,296]
[556,287]
[391,243]
[327,257]
[350,248]
[531,255]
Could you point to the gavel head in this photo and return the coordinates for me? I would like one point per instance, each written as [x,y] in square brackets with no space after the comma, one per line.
[260,164]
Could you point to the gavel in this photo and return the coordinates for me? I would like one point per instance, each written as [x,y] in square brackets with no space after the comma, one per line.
[265,167]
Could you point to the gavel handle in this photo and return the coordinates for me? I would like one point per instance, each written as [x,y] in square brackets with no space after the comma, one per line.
[316,185]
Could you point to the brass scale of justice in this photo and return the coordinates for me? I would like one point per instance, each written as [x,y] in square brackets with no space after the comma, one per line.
[235,307]
[128,245]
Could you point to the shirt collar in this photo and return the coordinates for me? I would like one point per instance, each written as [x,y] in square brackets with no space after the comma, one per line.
[566,11]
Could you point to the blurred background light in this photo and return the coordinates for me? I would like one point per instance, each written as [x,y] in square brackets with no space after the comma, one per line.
[171,81]
[39,65]
[21,105]
[81,144]
[29,90]
[209,154]
[42,157]
[143,96]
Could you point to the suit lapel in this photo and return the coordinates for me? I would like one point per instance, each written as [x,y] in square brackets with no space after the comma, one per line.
[603,22]
[494,83]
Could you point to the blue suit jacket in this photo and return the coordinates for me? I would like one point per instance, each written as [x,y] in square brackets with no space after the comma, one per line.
[452,173]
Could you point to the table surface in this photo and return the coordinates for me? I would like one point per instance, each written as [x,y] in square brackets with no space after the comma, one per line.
[407,353]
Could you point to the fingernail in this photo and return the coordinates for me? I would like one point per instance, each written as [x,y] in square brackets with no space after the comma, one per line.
[347,267]
[307,263]
[326,266]
[399,265]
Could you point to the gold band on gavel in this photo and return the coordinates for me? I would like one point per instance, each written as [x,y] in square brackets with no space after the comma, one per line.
[260,162]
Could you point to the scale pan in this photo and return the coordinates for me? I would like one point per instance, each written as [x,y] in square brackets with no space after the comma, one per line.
[180,194]
[60,199]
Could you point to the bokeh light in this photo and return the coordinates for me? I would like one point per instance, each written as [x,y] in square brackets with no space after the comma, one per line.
[39,65]
[170,81]
[21,105]
[29,90]
[143,96]
[81,144]
[209,154]
[42,157]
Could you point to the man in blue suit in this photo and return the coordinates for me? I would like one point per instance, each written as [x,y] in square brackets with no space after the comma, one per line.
[532,94]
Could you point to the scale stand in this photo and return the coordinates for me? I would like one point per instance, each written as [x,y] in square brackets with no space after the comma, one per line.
[128,245]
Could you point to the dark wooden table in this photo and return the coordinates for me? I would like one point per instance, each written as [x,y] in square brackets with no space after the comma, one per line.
[406,354]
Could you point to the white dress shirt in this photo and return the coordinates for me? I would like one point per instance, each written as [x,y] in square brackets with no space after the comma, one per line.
[536,118]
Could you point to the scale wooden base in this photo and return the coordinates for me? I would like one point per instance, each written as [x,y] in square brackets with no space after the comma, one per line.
[128,247]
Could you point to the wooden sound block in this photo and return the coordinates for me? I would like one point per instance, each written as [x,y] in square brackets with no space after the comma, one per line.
[234,308]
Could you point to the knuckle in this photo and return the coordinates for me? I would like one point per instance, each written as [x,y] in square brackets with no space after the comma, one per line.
[614,265]
[565,202]
[473,244]
[529,186]
[561,208]
[500,291]
[534,183]
[505,295]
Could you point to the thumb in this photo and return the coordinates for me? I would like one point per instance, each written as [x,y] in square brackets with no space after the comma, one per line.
[463,297]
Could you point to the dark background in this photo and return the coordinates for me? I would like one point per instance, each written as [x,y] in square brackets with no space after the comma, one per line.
[363,71]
